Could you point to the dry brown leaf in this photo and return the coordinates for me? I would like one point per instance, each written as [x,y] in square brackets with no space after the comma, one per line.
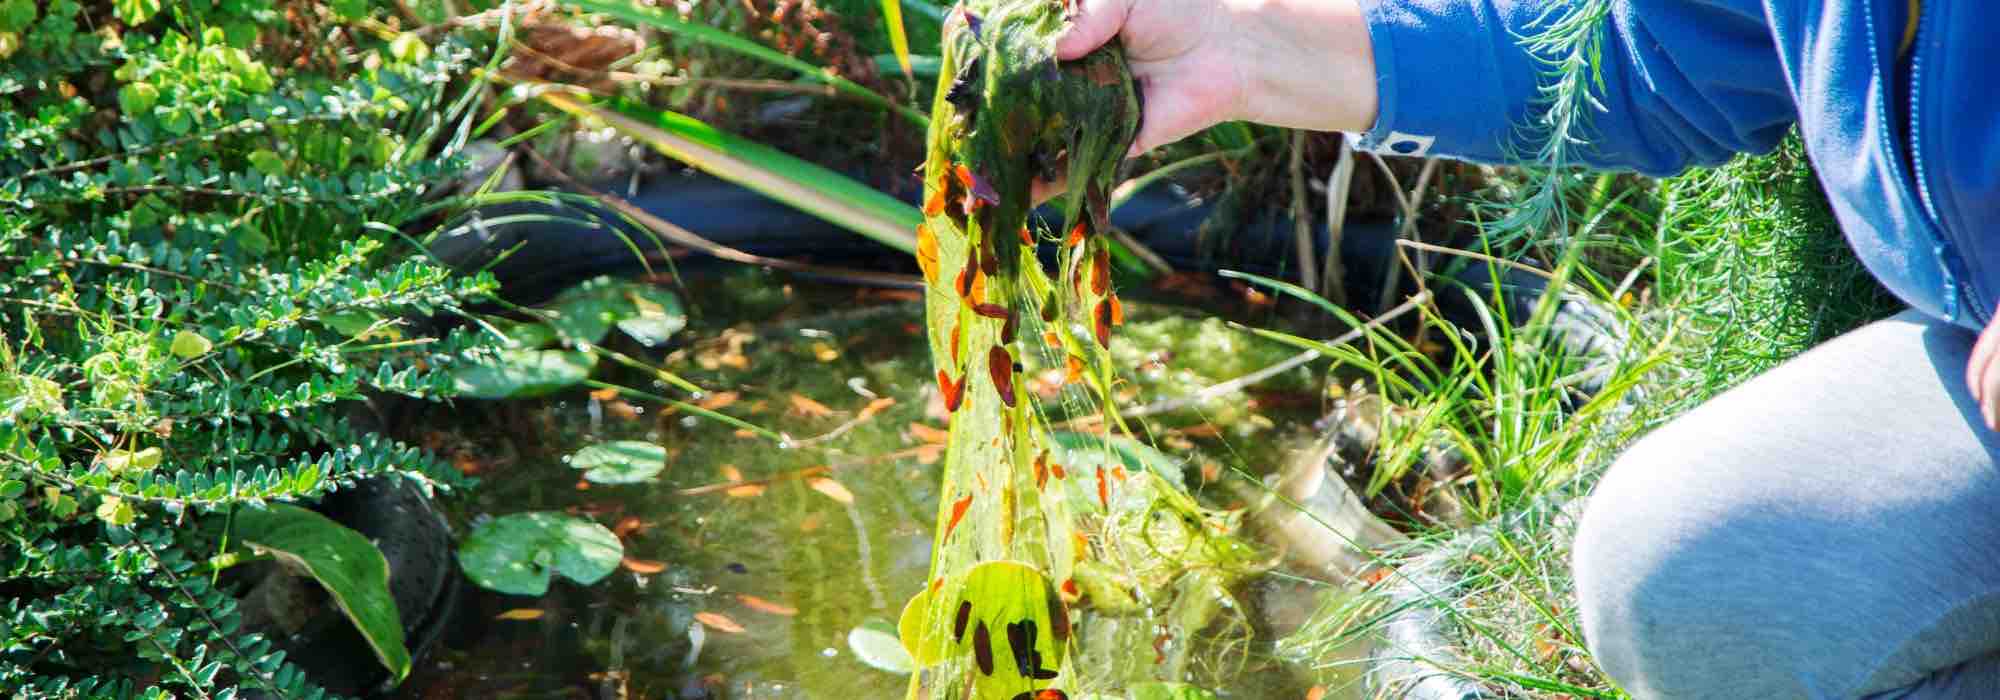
[832,489]
[923,432]
[805,406]
[718,622]
[876,406]
[930,454]
[745,491]
[642,566]
[762,605]
[1202,430]
[628,525]
[718,400]
[518,614]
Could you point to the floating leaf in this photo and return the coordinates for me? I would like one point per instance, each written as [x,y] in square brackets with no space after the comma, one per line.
[518,553]
[620,462]
[718,622]
[762,605]
[343,561]
[874,642]
[523,373]
[656,315]
[807,407]
[832,489]
[643,566]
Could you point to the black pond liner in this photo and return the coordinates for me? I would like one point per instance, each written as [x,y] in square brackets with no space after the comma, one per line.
[537,250]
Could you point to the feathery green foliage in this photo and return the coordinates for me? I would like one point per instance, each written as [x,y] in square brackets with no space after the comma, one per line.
[200,275]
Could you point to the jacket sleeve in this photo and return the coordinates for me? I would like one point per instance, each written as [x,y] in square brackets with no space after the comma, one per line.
[1684,82]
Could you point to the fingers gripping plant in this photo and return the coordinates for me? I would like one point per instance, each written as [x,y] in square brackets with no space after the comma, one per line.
[993,623]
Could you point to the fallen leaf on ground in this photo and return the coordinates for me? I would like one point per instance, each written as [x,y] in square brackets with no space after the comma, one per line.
[832,489]
[762,605]
[809,408]
[718,622]
[642,566]
[518,614]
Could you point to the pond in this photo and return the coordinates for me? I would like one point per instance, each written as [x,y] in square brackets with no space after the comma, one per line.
[758,571]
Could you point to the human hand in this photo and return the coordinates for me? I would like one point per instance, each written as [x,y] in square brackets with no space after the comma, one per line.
[1303,64]
[1982,374]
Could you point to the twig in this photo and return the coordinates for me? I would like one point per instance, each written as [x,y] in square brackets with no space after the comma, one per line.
[1339,183]
[1282,366]
[1394,277]
[1302,214]
[1419,245]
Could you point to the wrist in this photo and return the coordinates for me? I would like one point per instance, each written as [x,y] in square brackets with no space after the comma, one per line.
[1311,67]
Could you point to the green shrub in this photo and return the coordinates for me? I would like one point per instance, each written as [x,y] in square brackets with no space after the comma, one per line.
[201,272]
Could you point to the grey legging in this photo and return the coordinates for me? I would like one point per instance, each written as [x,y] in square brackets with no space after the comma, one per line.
[1830,529]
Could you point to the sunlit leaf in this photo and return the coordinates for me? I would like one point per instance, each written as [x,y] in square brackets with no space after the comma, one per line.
[899,41]
[620,462]
[811,188]
[343,561]
[517,554]
[874,643]
[188,345]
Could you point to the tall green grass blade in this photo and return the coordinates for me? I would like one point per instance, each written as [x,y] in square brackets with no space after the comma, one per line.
[899,42]
[816,190]
[631,11]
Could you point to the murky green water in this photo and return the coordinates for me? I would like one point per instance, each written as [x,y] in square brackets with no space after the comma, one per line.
[763,580]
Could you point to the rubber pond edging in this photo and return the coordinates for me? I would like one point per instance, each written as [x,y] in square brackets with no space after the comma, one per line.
[562,246]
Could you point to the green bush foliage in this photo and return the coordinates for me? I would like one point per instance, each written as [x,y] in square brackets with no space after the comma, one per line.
[201,272]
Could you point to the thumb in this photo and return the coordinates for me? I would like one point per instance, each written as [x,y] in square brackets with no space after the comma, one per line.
[1094,23]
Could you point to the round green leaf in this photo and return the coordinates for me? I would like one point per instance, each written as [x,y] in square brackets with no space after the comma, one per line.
[516,554]
[656,314]
[620,462]
[874,642]
[189,345]
[267,161]
[523,373]
[137,98]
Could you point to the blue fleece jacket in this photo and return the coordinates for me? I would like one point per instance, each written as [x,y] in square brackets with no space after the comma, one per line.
[1907,143]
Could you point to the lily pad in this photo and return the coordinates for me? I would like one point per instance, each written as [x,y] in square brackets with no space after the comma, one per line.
[517,554]
[343,561]
[656,315]
[874,642]
[523,373]
[620,462]
[587,311]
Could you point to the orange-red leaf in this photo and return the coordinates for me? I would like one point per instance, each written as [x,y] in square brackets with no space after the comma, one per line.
[765,606]
[642,566]
[832,489]
[1000,366]
[805,406]
[520,614]
[718,622]
[958,509]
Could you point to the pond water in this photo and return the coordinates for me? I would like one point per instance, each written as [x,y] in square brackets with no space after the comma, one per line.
[746,572]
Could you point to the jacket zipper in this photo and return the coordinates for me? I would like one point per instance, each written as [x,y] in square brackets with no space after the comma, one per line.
[1956,282]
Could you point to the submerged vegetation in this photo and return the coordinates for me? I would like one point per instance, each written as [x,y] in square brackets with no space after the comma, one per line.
[1097,464]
